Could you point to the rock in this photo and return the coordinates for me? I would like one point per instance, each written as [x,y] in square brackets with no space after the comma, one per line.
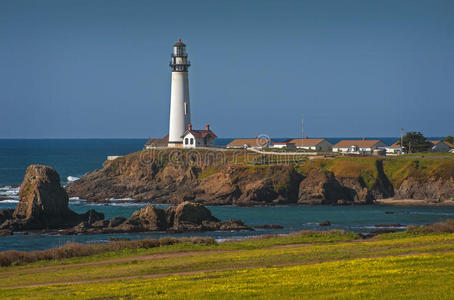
[321,187]
[195,213]
[148,218]
[116,221]
[43,204]
[431,189]
[388,225]
[5,232]
[194,217]
[233,225]
[269,226]
[6,214]
[261,191]
[185,217]
[326,223]
[170,215]
[100,224]
[92,216]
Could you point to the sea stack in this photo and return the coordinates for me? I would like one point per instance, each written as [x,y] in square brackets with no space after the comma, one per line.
[180,113]
[43,204]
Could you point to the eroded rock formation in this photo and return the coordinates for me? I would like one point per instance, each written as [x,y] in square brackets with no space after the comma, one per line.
[43,203]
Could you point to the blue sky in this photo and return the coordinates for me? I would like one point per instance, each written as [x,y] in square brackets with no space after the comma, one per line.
[352,68]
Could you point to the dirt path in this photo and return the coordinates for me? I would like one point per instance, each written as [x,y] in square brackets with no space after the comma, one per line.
[186,273]
[146,257]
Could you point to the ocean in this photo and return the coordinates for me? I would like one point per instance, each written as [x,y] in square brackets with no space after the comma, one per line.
[72,158]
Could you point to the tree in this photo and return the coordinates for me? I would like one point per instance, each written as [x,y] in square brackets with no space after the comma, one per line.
[415,142]
[449,139]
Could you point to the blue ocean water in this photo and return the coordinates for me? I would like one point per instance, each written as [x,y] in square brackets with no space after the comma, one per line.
[75,157]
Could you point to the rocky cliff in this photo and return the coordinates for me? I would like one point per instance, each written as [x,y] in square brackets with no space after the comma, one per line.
[172,176]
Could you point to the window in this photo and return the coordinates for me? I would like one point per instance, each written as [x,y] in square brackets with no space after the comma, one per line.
[192,141]
[186,141]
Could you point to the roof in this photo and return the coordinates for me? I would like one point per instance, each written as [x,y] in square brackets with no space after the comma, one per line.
[357,143]
[395,145]
[158,142]
[435,142]
[307,142]
[248,142]
[449,144]
[200,134]
[179,43]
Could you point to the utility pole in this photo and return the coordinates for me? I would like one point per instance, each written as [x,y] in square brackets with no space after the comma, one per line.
[401,140]
[302,130]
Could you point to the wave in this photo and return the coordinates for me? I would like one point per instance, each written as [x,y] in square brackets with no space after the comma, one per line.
[72,178]
[9,191]
[9,201]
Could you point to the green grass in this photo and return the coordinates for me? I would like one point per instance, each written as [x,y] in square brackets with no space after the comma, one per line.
[422,170]
[448,154]
[411,277]
[325,264]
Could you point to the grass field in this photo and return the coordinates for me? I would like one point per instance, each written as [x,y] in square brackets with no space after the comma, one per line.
[307,265]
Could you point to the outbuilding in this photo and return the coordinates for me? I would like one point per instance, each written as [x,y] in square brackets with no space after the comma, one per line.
[198,138]
[312,144]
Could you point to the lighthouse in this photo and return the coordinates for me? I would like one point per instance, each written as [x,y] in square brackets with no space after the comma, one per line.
[180,113]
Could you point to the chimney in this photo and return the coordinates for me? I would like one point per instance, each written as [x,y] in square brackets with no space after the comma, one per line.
[207,127]
[189,127]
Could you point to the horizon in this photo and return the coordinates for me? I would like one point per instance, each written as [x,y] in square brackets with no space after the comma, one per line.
[100,69]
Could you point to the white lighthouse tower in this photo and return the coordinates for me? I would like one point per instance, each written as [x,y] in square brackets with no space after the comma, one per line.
[180,113]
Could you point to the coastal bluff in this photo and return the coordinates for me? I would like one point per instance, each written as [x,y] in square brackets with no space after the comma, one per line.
[238,177]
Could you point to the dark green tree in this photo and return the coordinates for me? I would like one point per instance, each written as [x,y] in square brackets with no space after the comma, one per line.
[449,139]
[415,142]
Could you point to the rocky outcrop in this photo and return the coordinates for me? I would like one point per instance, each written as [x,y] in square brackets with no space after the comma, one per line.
[6,214]
[436,190]
[322,187]
[186,217]
[43,204]
[148,218]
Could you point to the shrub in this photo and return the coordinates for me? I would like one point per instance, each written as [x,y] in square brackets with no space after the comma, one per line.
[13,257]
[447,227]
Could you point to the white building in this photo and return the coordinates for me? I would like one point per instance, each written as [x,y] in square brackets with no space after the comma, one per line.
[394,149]
[180,113]
[363,146]
[313,144]
[282,145]
[198,138]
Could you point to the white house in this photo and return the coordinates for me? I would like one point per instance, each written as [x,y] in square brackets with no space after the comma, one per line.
[281,145]
[394,149]
[358,146]
[198,138]
[313,144]
[440,146]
